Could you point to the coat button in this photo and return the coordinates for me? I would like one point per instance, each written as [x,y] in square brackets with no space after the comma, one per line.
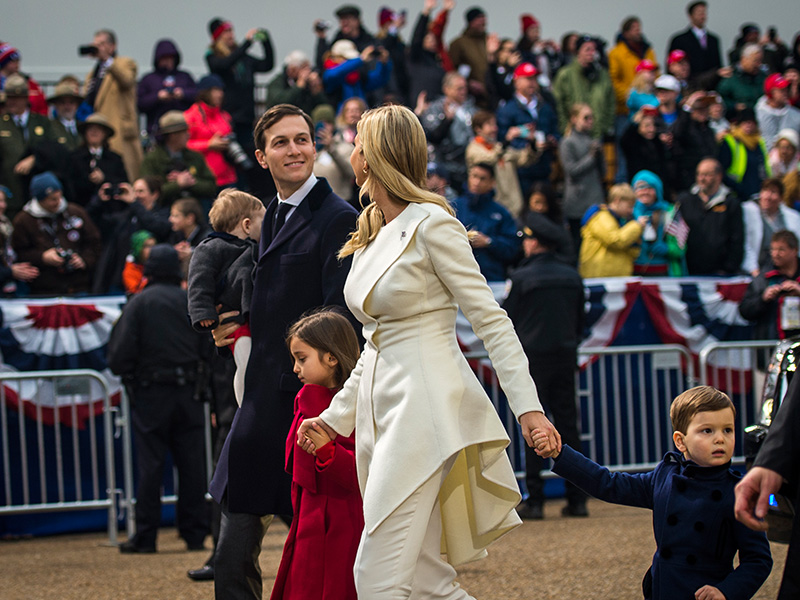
[691,559]
[672,520]
[680,485]
[699,526]
[666,553]
[716,495]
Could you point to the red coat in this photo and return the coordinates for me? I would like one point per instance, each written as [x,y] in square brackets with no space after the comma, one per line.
[204,121]
[318,557]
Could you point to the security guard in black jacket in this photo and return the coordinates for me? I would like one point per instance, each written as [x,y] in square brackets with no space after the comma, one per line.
[155,349]
[546,305]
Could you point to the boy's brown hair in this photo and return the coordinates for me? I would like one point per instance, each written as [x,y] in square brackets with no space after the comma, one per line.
[230,207]
[698,399]
[621,192]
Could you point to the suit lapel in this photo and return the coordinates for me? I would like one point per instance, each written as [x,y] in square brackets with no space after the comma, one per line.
[370,263]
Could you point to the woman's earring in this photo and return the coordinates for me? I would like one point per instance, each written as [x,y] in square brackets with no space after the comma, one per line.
[364,170]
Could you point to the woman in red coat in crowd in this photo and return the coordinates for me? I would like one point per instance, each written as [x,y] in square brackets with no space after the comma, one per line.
[210,129]
[320,550]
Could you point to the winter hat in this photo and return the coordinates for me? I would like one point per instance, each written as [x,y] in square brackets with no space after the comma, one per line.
[584,39]
[474,13]
[790,135]
[6,192]
[7,54]
[323,112]
[163,263]
[525,69]
[137,243]
[385,16]
[746,114]
[210,81]
[44,184]
[538,226]
[216,27]
[651,180]
[528,21]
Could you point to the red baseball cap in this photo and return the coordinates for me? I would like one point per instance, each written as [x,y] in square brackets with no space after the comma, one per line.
[676,56]
[646,65]
[525,69]
[775,81]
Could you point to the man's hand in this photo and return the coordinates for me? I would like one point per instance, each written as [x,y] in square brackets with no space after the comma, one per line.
[24,271]
[185,179]
[52,258]
[772,292]
[478,239]
[126,193]
[752,496]
[97,176]
[76,262]
[535,420]
[25,166]
[224,330]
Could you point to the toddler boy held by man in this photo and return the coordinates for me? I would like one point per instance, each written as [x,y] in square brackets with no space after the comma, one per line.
[221,271]
[691,495]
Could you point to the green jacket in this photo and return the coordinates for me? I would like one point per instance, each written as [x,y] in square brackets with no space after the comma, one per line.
[65,137]
[158,163]
[742,88]
[13,148]
[571,86]
[280,92]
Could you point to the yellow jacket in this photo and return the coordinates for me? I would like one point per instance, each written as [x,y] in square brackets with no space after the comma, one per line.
[622,63]
[608,250]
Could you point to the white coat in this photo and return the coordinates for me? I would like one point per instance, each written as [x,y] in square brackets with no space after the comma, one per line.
[754,231]
[412,398]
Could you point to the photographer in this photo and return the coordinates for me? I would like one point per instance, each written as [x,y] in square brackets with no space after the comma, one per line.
[167,87]
[111,90]
[348,73]
[56,237]
[184,171]
[211,132]
[93,163]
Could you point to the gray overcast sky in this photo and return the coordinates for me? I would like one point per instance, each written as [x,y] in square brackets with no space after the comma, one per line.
[48,33]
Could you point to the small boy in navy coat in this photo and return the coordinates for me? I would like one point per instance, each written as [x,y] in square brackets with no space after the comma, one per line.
[691,495]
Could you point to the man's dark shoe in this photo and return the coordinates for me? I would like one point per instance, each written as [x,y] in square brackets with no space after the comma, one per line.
[578,509]
[204,573]
[131,547]
[533,511]
[195,546]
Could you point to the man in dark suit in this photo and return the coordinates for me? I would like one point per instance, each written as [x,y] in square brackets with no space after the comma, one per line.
[699,44]
[777,461]
[303,229]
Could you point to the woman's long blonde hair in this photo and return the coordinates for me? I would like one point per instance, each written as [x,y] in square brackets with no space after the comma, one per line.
[395,149]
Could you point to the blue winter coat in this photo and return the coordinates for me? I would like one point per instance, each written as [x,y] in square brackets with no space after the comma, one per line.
[696,533]
[482,213]
[654,252]
[513,114]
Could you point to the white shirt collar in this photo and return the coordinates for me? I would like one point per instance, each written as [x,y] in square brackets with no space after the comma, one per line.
[296,198]
[699,33]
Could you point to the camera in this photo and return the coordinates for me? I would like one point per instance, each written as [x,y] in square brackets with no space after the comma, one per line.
[377,52]
[322,26]
[67,255]
[88,50]
[236,154]
[114,191]
[772,33]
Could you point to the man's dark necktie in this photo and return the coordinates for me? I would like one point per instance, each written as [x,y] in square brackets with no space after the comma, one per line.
[280,217]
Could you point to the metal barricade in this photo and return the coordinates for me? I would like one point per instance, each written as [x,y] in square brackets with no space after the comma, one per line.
[30,464]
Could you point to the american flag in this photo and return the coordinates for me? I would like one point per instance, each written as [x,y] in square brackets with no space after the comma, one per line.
[678,228]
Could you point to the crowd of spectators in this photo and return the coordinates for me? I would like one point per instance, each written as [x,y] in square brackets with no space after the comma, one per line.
[654,162]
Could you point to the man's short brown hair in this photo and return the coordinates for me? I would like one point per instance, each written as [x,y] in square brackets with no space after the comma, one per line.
[699,399]
[275,114]
[787,237]
[230,207]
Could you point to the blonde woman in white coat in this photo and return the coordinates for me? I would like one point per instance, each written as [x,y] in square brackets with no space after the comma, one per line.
[430,448]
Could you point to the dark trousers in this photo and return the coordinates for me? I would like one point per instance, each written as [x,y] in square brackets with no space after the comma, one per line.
[237,572]
[555,382]
[166,418]
[790,584]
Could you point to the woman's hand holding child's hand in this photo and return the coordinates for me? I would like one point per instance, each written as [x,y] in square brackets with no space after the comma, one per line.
[317,436]
[542,445]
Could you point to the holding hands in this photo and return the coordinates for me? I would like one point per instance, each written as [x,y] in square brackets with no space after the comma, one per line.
[539,434]
[314,433]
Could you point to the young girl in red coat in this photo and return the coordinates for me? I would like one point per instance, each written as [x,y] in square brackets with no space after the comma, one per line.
[320,550]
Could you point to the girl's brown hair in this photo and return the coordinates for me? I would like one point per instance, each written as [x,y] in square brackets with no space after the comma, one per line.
[328,330]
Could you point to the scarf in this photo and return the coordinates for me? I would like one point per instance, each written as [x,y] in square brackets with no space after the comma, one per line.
[310,401]
[750,141]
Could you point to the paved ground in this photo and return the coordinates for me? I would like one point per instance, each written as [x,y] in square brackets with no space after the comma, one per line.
[602,557]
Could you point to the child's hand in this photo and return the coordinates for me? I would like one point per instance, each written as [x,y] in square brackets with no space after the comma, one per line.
[317,426]
[317,436]
[206,322]
[709,592]
[542,445]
